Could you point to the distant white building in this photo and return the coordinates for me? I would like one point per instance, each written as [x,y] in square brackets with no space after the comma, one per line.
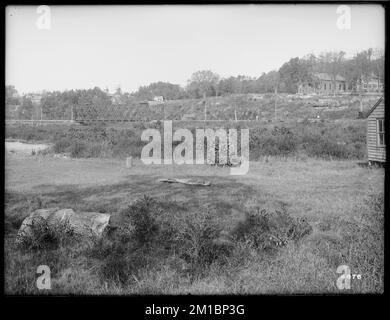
[158,98]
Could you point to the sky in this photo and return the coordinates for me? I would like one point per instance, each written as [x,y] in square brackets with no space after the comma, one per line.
[132,46]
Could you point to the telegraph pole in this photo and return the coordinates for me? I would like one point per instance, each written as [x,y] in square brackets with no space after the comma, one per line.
[205,106]
[276,93]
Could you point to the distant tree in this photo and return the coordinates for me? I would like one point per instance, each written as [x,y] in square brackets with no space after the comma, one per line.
[239,84]
[118,90]
[26,109]
[332,62]
[203,83]
[227,86]
[294,72]
[378,56]
[11,95]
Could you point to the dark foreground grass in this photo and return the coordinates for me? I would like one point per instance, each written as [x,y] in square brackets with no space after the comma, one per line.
[158,246]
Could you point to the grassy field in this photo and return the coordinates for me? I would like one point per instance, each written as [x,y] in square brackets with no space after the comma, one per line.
[201,240]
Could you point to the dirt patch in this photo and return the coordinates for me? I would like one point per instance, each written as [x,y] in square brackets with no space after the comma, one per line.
[26,148]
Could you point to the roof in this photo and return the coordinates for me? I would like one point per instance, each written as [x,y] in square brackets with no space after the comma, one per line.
[328,77]
[374,106]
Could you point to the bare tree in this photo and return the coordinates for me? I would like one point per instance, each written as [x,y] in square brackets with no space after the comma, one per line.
[332,63]
[378,56]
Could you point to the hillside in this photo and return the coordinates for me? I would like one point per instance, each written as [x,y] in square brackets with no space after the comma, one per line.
[246,107]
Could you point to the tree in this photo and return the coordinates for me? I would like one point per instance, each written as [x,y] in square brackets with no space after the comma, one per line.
[378,56]
[203,83]
[332,63]
[294,73]
[26,109]
[11,95]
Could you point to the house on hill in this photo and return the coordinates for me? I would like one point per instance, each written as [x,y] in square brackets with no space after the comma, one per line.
[370,84]
[376,144]
[323,83]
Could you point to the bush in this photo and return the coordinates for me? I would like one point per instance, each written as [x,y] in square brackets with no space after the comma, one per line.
[317,146]
[140,216]
[266,231]
[77,149]
[197,241]
[124,251]
[123,263]
[47,236]
[61,145]
[278,142]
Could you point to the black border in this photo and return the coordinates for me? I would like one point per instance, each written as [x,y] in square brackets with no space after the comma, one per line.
[255,306]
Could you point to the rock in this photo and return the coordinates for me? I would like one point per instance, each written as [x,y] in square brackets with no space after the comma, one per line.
[83,223]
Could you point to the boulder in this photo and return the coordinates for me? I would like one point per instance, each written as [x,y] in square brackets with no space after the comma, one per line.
[83,223]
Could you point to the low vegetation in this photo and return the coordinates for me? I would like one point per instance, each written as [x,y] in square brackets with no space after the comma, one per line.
[155,246]
[318,140]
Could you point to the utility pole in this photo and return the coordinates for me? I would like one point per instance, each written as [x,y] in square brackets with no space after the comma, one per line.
[276,93]
[205,106]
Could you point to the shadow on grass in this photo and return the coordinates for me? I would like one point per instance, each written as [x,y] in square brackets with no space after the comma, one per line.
[225,197]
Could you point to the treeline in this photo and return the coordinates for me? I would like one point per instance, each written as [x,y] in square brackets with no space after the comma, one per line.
[55,104]
[58,105]
[287,79]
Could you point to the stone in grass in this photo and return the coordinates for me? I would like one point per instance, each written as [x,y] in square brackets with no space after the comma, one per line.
[85,224]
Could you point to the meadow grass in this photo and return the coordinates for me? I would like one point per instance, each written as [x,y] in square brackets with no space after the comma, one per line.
[235,236]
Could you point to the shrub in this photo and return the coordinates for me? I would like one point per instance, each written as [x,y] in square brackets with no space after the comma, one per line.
[61,145]
[77,149]
[197,245]
[317,146]
[268,230]
[47,236]
[140,216]
[120,256]
[278,142]
[122,264]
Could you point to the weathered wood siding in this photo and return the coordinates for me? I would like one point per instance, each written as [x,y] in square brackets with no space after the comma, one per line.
[375,153]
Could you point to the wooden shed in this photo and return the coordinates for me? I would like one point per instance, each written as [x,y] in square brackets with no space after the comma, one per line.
[376,144]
